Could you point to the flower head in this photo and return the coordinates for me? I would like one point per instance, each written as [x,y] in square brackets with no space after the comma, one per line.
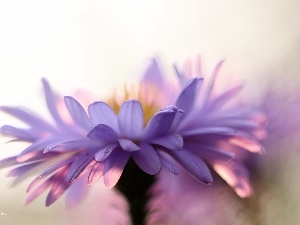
[193,129]
[94,144]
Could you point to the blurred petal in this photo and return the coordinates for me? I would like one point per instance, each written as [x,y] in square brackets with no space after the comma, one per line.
[51,102]
[78,113]
[235,175]
[187,97]
[153,75]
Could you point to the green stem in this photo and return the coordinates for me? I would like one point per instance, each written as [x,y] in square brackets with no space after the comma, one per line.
[134,184]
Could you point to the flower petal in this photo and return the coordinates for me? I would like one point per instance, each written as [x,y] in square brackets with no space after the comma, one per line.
[102,133]
[104,152]
[187,97]
[173,142]
[235,174]
[18,133]
[102,113]
[211,83]
[128,145]
[193,165]
[114,166]
[27,117]
[78,113]
[209,130]
[59,186]
[51,102]
[247,143]
[147,159]
[153,75]
[180,75]
[78,166]
[161,122]
[43,187]
[131,119]
[48,171]
[96,173]
[224,98]
[167,162]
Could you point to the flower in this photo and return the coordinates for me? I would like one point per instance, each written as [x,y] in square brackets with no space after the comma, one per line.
[92,145]
[189,133]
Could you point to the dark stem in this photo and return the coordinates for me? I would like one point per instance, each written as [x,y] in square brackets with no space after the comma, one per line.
[134,184]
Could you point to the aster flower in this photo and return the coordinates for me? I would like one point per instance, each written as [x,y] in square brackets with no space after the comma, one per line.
[194,130]
[92,145]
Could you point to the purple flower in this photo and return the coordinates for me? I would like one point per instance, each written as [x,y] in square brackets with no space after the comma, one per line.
[92,145]
[196,130]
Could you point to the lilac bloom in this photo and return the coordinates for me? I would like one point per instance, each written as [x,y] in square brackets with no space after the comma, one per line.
[215,127]
[91,146]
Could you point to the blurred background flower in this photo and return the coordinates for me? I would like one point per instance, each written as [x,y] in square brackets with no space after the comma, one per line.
[99,45]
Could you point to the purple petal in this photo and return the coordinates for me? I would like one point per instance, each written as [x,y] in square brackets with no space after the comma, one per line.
[7,162]
[43,187]
[128,145]
[180,75]
[34,149]
[78,166]
[147,159]
[59,186]
[209,130]
[193,165]
[166,162]
[27,117]
[21,170]
[68,146]
[187,97]
[208,152]
[104,152]
[103,133]
[161,122]
[247,143]
[114,166]
[131,119]
[173,142]
[77,192]
[78,113]
[211,83]
[20,134]
[224,98]
[51,102]
[96,173]
[153,75]
[102,113]
[48,171]
[235,174]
